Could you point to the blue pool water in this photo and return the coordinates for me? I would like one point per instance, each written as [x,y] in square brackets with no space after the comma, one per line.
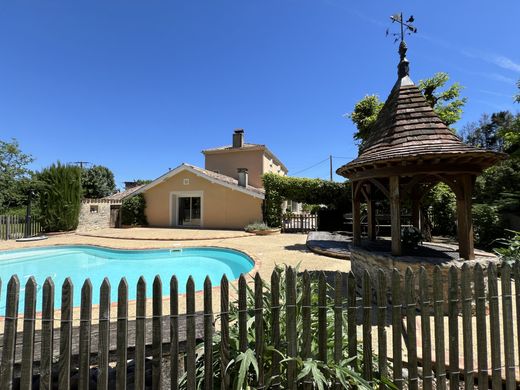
[81,262]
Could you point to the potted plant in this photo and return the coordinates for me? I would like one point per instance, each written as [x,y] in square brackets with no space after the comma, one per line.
[261,229]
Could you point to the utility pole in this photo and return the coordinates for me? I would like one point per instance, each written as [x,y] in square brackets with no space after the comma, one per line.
[81,163]
[330,159]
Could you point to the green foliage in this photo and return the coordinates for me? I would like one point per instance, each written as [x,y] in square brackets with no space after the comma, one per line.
[256,226]
[132,211]
[499,183]
[486,224]
[510,250]
[97,182]
[364,116]
[15,176]
[489,132]
[244,366]
[313,191]
[446,103]
[60,197]
[443,209]
[517,96]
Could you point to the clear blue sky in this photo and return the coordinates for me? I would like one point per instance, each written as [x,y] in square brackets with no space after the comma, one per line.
[141,86]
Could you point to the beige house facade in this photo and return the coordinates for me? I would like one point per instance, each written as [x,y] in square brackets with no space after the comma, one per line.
[226,194]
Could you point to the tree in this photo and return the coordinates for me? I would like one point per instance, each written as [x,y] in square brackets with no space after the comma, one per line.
[517,97]
[60,197]
[364,115]
[488,132]
[447,104]
[14,174]
[97,182]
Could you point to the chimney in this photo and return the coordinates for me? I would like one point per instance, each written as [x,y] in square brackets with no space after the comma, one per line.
[238,138]
[243,177]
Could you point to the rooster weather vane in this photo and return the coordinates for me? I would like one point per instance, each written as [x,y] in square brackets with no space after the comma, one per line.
[406,27]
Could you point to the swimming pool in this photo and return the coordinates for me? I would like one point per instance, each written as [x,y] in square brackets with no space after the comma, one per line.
[96,263]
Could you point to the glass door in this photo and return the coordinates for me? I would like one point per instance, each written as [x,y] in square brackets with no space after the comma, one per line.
[189,211]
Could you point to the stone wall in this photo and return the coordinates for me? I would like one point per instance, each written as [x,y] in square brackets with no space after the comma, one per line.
[95,214]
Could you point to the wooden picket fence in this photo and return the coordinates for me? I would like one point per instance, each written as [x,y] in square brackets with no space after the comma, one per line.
[408,309]
[12,227]
[302,223]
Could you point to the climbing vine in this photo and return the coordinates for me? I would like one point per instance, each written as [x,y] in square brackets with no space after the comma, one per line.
[310,191]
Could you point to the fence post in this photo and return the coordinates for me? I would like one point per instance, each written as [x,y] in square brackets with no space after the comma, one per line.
[425,329]
[104,334]
[338,321]
[157,334]
[10,324]
[190,334]
[242,313]
[397,328]
[84,335]
[306,321]
[438,312]
[322,318]
[259,329]
[65,334]
[140,335]
[367,327]
[290,304]
[28,335]
[174,333]
[494,327]
[352,319]
[208,335]
[411,306]
[47,335]
[8,227]
[275,325]
[382,303]
[467,333]
[224,332]
[480,310]
[453,326]
[122,334]
[507,318]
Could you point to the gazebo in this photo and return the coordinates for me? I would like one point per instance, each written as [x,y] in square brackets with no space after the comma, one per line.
[408,151]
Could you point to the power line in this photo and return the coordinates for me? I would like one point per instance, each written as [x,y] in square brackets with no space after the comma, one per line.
[312,166]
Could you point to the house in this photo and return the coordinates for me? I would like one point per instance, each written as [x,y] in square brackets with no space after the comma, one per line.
[226,194]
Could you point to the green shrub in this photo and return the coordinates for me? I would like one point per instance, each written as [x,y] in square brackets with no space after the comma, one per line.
[132,211]
[256,226]
[510,252]
[336,196]
[443,210]
[244,365]
[486,224]
[60,197]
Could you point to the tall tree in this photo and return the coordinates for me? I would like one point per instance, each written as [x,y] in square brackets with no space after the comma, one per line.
[60,197]
[14,174]
[488,132]
[446,102]
[97,182]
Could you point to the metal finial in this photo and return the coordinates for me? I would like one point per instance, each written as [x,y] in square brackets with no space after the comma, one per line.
[406,27]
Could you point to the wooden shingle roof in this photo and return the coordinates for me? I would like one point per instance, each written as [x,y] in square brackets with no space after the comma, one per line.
[408,129]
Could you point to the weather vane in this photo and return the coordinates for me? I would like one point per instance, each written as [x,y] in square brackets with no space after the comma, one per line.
[406,27]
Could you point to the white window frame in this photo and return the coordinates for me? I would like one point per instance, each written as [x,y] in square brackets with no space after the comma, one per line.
[181,194]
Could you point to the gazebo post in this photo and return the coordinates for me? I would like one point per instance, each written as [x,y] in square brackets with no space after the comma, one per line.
[464,221]
[395,214]
[371,214]
[356,215]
